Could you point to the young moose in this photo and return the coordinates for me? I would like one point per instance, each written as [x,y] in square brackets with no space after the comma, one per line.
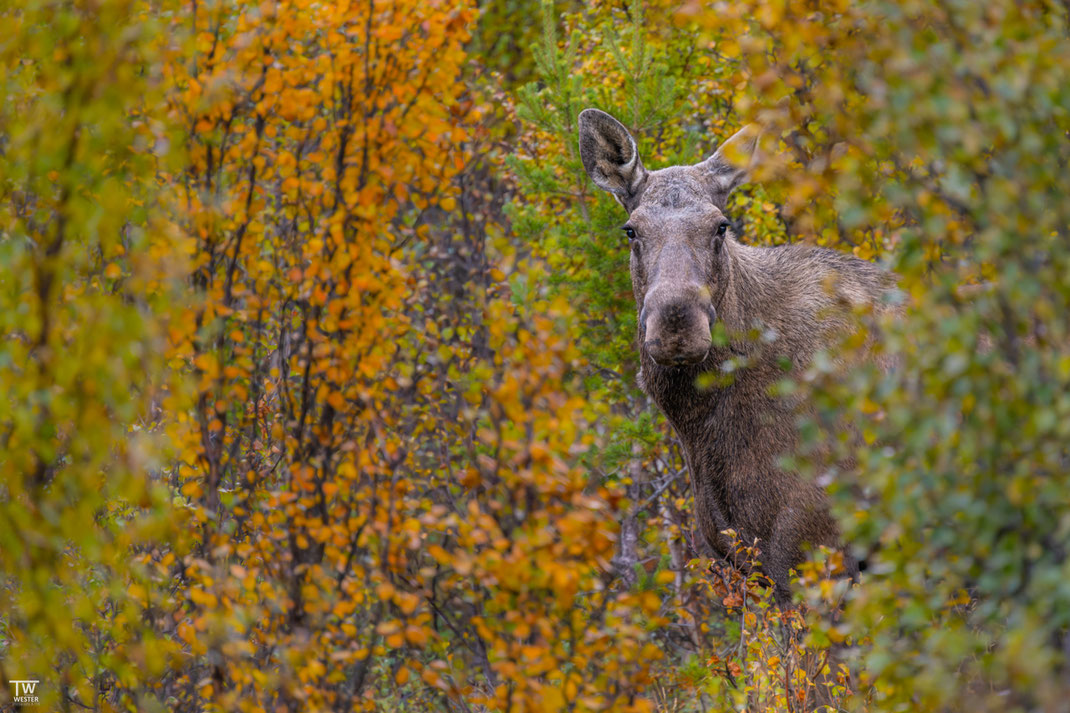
[688,271]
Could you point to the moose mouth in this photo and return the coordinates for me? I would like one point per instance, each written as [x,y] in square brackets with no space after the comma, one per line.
[674,358]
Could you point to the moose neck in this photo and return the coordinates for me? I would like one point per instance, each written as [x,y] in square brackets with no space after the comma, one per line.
[740,298]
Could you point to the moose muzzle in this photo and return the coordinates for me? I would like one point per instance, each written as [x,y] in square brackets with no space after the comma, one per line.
[675,324]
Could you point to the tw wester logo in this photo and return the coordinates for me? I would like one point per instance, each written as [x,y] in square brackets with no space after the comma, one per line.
[26,692]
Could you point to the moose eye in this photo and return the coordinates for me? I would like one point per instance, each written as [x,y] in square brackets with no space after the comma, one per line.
[630,232]
[722,229]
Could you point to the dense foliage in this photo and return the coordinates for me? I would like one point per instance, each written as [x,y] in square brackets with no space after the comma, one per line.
[317,372]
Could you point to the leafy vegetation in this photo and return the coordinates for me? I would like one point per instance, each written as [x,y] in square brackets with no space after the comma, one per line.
[317,371]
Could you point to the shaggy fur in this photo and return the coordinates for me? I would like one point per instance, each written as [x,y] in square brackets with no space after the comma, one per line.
[689,270]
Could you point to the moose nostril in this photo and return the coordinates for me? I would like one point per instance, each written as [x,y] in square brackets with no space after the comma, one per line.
[642,319]
[711,312]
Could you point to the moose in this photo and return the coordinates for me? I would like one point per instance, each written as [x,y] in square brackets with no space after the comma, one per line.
[690,270]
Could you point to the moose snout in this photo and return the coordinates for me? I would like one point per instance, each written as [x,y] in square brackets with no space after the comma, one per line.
[676,331]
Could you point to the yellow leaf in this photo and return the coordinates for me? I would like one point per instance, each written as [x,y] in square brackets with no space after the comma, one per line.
[416,635]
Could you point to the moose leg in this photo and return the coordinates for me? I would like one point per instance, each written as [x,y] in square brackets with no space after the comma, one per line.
[785,551]
[792,533]
[850,563]
[711,523]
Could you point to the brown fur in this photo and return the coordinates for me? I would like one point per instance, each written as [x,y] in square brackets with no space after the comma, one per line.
[688,270]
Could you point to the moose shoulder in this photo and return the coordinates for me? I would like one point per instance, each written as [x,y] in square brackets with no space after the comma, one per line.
[688,271]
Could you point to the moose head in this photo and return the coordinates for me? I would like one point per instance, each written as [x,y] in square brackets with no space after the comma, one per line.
[677,230]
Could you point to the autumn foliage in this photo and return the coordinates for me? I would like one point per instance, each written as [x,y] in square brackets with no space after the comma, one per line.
[317,383]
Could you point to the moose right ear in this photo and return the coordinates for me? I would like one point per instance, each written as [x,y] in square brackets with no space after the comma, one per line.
[732,163]
[610,156]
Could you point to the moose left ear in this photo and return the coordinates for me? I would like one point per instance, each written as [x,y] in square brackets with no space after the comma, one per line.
[611,157]
[731,164]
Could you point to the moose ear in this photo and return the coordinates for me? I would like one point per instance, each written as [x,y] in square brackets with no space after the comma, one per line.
[731,164]
[610,156]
